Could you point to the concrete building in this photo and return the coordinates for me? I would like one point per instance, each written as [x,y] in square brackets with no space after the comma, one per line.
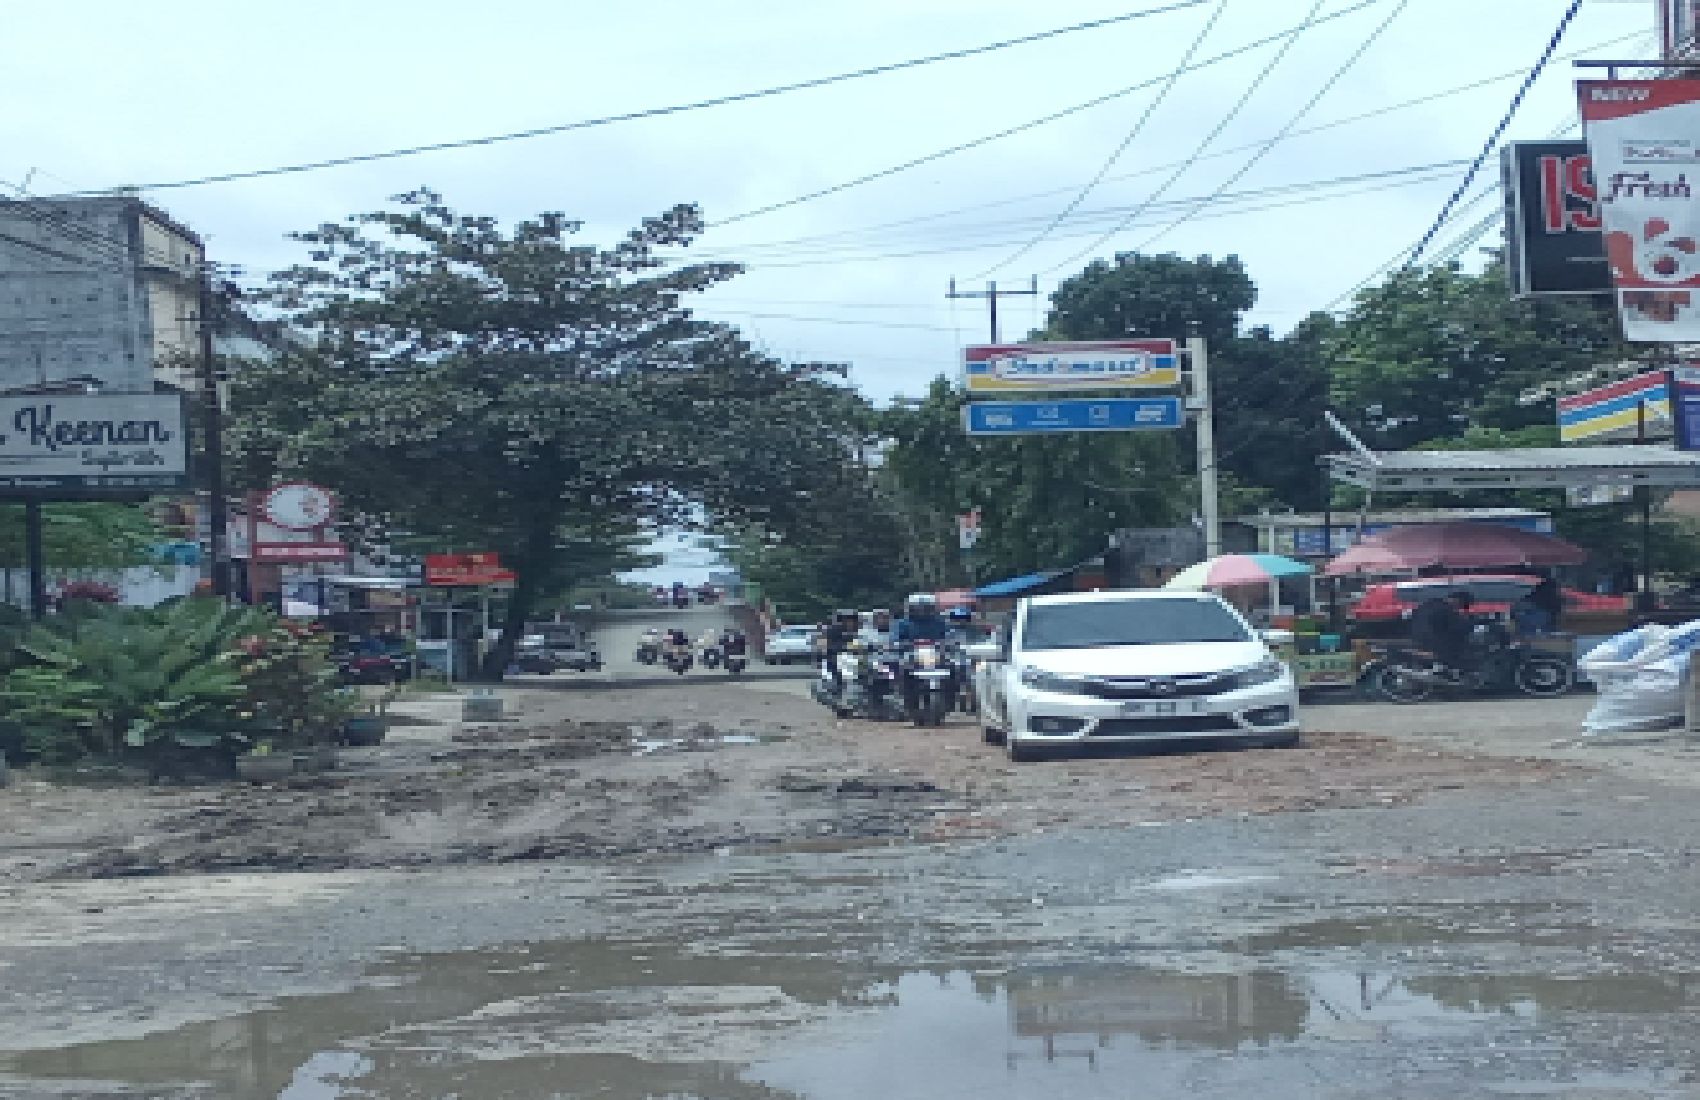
[99,289]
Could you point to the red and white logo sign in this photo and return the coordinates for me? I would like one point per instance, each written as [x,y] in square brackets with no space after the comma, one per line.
[299,506]
[1641,140]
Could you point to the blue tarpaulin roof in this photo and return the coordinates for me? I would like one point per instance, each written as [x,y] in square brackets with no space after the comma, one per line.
[1016,586]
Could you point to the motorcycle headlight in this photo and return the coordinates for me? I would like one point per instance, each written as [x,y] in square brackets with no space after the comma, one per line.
[927,657]
[1040,680]
[1264,672]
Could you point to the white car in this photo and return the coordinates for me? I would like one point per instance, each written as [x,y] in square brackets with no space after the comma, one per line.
[789,644]
[1132,667]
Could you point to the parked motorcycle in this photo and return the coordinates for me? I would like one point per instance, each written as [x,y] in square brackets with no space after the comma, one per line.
[736,663]
[710,656]
[929,684]
[679,660]
[648,653]
[1497,665]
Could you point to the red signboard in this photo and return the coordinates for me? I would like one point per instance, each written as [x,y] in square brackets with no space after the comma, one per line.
[466,570]
[265,543]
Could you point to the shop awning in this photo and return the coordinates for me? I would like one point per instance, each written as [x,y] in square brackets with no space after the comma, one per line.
[1524,468]
[1018,586]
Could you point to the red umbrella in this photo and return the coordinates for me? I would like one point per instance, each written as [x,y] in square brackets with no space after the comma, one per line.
[1454,546]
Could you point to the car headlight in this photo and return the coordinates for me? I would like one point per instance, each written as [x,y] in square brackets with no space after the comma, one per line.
[1040,680]
[1263,672]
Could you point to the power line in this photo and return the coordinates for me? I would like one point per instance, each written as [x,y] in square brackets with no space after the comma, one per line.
[1031,124]
[1115,154]
[1405,181]
[1281,135]
[679,108]
[1209,139]
[1499,130]
[1347,120]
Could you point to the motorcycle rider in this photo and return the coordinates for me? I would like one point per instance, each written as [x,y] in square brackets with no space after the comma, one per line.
[921,621]
[677,641]
[733,643]
[1441,625]
[840,632]
[651,643]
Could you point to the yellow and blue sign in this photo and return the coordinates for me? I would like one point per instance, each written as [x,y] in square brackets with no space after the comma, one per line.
[1071,365]
[1621,411]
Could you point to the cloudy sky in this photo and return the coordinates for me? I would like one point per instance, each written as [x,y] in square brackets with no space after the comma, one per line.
[105,93]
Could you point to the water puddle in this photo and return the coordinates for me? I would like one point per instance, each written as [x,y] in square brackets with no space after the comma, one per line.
[649,746]
[809,1017]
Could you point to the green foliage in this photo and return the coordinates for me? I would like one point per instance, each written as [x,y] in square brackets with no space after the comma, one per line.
[82,536]
[98,679]
[1045,502]
[517,392]
[1434,353]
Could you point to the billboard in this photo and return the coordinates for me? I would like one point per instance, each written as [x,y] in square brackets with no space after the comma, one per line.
[1685,407]
[1618,412]
[1552,221]
[121,442]
[1071,365]
[1644,139]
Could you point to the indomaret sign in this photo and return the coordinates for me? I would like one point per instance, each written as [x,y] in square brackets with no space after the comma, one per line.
[1084,365]
[1644,140]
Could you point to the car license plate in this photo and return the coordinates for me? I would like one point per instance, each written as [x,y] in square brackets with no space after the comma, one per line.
[1163,709]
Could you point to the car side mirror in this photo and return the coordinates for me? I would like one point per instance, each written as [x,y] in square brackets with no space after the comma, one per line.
[1276,638]
[984,651]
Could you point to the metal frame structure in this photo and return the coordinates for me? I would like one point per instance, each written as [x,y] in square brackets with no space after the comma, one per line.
[1507,470]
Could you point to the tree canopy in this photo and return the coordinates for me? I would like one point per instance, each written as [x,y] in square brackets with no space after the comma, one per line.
[514,390]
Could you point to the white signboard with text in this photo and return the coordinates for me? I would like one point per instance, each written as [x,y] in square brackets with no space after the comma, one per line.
[92,442]
[1644,141]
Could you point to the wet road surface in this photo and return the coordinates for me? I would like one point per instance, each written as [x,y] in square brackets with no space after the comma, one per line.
[1536,948]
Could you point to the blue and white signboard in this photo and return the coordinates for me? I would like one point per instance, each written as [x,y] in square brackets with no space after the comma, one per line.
[1111,414]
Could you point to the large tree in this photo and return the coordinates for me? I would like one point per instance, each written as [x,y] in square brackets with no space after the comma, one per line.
[511,390]
[1433,353]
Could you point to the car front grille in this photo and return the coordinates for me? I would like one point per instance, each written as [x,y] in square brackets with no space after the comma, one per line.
[1156,687]
[1179,723]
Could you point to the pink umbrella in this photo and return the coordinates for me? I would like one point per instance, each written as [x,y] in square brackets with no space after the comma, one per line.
[1454,546]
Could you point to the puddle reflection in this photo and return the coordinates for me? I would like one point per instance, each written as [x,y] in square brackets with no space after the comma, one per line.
[638,1019]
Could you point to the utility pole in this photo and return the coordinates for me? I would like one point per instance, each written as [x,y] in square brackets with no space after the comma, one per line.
[1204,415]
[33,558]
[991,294]
[218,519]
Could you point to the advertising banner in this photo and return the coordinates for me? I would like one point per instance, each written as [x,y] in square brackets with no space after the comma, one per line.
[1552,220]
[1619,412]
[466,570]
[84,442]
[1111,414]
[1685,407]
[1644,140]
[1077,365]
[1679,22]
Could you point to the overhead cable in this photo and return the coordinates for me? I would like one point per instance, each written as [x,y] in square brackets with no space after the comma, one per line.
[675,109]
[1032,124]
[1322,127]
[1504,122]
[1281,135]
[1209,139]
[1116,153]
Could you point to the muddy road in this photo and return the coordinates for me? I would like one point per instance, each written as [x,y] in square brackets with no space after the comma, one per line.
[712,889]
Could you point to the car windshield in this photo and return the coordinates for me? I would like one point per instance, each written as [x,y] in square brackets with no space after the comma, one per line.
[1129,622]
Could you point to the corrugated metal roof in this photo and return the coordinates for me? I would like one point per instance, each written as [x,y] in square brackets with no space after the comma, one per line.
[1521,468]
